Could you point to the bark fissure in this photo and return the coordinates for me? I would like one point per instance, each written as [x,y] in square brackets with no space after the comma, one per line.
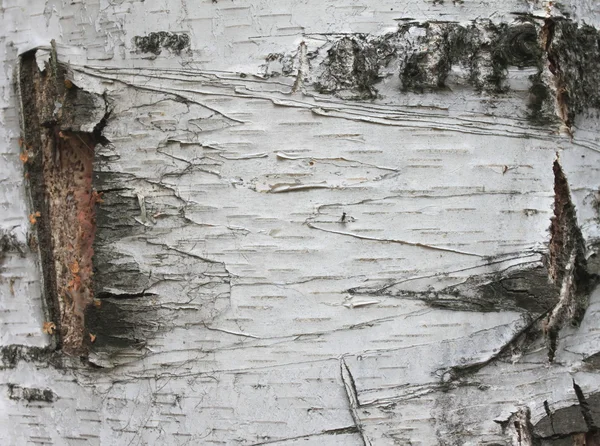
[108,295]
[586,411]
[567,265]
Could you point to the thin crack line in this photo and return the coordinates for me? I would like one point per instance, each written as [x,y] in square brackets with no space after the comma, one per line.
[401,242]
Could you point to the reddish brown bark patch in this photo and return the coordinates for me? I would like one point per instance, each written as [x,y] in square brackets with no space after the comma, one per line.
[73,222]
[59,168]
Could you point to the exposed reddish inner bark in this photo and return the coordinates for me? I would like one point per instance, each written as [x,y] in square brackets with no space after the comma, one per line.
[59,164]
[68,159]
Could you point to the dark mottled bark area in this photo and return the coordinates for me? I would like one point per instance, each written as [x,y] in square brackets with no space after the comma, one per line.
[574,59]
[572,425]
[525,288]
[425,53]
[155,42]
[30,394]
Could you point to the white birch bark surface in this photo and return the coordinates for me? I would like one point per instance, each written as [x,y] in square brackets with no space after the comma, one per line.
[296,244]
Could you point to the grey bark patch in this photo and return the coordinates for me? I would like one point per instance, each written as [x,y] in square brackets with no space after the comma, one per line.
[82,110]
[593,361]
[155,42]
[540,108]
[570,420]
[115,272]
[590,408]
[115,221]
[30,394]
[10,355]
[115,217]
[115,324]
[564,421]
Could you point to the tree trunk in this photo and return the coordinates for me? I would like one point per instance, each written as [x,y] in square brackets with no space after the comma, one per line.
[314,222]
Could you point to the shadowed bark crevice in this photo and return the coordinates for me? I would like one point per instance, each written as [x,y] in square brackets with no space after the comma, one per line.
[567,265]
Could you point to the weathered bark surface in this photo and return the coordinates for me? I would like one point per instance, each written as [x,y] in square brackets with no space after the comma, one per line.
[320,222]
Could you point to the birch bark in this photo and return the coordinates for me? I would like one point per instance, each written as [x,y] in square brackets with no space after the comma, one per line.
[313,222]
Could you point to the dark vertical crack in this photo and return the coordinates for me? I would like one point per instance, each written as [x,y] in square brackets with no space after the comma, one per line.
[550,415]
[566,261]
[99,128]
[586,411]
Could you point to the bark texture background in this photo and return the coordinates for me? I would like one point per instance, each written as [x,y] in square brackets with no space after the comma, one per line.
[321,222]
